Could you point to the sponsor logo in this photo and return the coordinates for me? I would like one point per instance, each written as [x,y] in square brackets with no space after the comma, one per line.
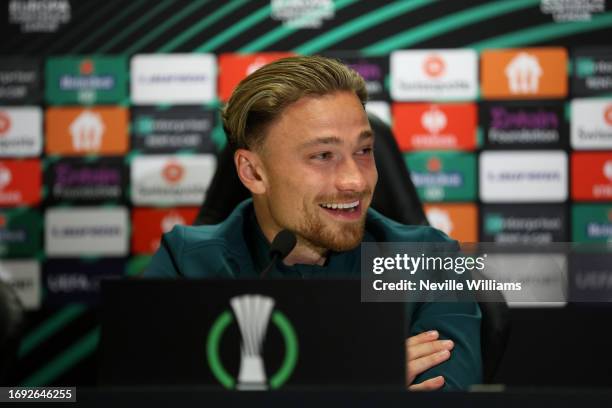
[592,73]
[86,181]
[20,182]
[607,170]
[434,165]
[591,278]
[524,224]
[520,176]
[458,221]
[5,123]
[19,233]
[299,14]
[150,223]
[86,80]
[591,176]
[171,180]
[10,236]
[252,313]
[234,68]
[586,66]
[564,11]
[86,232]
[418,75]
[524,73]
[5,177]
[543,278]
[597,230]
[443,176]
[524,124]
[592,223]
[173,78]
[434,120]
[39,16]
[86,131]
[20,81]
[373,75]
[436,177]
[73,280]
[176,128]
[374,71]
[435,127]
[20,131]
[591,124]
[24,278]
[75,131]
[434,66]
[173,172]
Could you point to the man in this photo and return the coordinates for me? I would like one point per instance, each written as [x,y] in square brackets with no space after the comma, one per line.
[304,148]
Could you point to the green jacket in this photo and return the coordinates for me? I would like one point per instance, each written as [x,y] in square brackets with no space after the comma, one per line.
[236,248]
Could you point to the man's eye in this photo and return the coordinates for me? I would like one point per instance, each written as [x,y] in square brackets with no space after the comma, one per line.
[322,156]
[366,151]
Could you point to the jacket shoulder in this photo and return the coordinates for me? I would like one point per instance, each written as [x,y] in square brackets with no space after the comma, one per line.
[193,252]
[189,238]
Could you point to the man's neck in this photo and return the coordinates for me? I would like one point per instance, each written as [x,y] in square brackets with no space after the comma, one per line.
[303,253]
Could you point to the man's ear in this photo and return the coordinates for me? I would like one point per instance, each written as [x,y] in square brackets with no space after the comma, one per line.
[250,170]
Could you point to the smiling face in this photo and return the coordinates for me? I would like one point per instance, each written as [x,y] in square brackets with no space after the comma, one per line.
[318,172]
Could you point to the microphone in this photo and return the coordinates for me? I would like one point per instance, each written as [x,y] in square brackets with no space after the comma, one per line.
[282,244]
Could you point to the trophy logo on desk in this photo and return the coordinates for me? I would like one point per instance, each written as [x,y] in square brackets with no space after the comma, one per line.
[252,313]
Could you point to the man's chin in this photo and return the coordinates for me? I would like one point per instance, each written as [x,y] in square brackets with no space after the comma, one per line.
[341,241]
[344,246]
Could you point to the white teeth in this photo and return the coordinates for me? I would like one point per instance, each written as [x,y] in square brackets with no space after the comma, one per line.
[335,206]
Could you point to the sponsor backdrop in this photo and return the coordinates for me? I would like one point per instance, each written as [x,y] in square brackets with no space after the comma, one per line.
[109,129]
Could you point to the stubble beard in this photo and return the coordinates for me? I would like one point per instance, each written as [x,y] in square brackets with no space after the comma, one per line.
[323,235]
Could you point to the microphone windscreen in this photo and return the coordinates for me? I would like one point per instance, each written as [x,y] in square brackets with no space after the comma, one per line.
[283,243]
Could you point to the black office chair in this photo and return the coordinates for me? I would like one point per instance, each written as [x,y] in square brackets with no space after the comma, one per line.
[11,325]
[395,197]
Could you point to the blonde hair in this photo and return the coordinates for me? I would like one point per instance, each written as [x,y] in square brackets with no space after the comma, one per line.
[261,97]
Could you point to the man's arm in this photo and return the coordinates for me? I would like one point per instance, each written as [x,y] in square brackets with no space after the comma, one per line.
[461,366]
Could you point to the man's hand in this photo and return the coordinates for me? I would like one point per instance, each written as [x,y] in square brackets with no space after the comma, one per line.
[425,351]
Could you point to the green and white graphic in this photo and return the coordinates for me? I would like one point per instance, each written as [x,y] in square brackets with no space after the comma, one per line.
[20,233]
[253,313]
[84,80]
[493,223]
[443,176]
[592,223]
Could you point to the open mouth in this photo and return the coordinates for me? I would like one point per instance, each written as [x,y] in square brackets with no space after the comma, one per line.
[348,210]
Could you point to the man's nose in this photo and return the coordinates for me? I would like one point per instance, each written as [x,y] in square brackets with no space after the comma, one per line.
[350,177]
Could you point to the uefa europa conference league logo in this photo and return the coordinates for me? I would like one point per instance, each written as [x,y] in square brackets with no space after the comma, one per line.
[253,313]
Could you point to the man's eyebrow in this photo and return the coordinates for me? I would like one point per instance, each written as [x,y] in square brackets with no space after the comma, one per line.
[366,134]
[334,140]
